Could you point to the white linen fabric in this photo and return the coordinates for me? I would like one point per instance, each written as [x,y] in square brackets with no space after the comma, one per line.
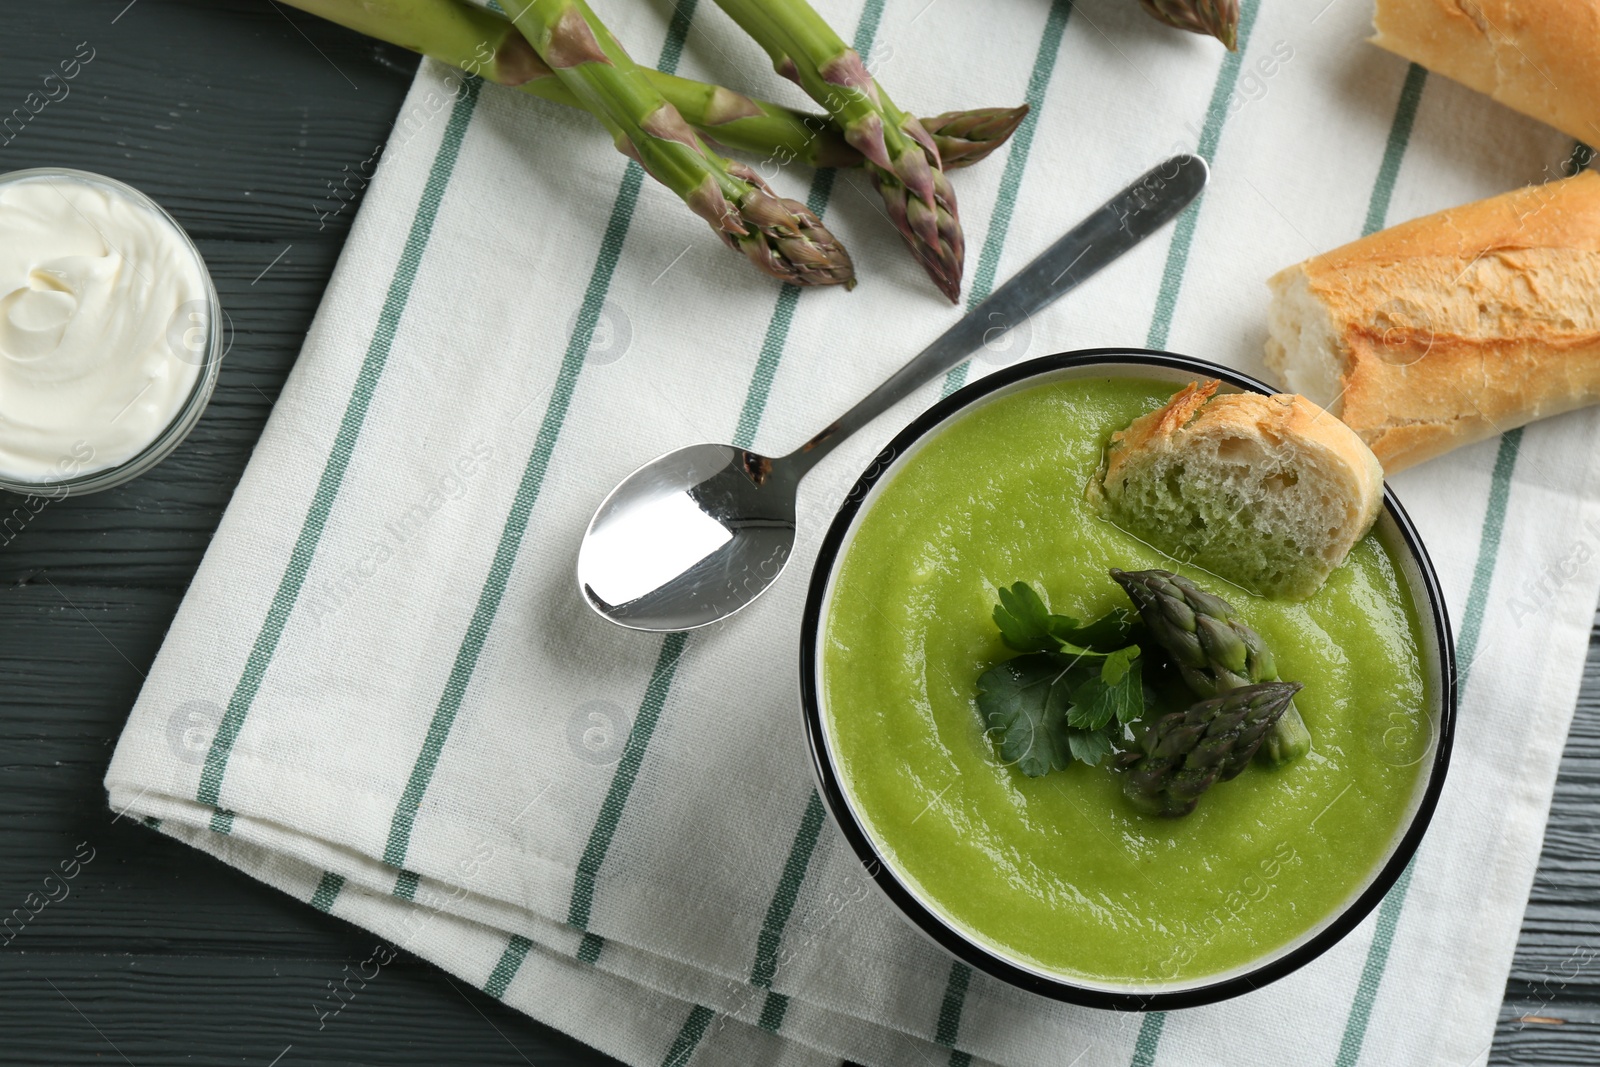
[383,695]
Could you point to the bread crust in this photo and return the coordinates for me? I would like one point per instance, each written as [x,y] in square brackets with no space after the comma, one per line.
[1460,325]
[1279,419]
[1292,455]
[1158,427]
[1541,57]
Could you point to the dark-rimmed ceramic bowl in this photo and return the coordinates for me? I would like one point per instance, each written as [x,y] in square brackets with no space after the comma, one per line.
[1438,654]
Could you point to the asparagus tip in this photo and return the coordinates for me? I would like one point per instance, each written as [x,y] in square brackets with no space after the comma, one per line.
[1216,18]
[785,238]
[932,232]
[967,137]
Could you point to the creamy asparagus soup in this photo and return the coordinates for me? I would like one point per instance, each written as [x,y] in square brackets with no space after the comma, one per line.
[1061,870]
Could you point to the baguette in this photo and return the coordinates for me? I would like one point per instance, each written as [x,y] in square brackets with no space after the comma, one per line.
[1541,57]
[1269,492]
[1450,328]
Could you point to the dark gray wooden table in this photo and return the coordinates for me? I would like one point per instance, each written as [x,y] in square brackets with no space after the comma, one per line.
[247,121]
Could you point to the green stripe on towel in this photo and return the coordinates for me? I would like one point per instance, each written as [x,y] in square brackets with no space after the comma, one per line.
[506,968]
[527,495]
[1494,524]
[611,809]
[777,336]
[344,443]
[948,1025]
[327,891]
[1210,135]
[776,1005]
[1405,115]
[994,242]
[773,1009]
[1494,518]
[1494,521]
[405,885]
[1355,1027]
[622,779]
[794,872]
[516,524]
[677,34]
[688,1039]
[1144,1046]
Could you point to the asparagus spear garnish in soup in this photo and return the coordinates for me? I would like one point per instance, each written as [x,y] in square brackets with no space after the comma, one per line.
[1214,649]
[1183,754]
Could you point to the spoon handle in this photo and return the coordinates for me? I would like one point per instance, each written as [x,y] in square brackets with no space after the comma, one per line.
[1116,226]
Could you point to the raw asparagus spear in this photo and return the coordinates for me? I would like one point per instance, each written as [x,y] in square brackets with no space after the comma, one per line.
[901,157]
[1219,18]
[484,42]
[781,135]
[1183,754]
[781,237]
[456,32]
[1214,650]
[965,137]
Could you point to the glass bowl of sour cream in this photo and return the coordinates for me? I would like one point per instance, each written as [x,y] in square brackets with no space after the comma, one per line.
[110,333]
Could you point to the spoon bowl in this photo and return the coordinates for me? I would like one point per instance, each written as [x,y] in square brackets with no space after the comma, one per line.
[689,538]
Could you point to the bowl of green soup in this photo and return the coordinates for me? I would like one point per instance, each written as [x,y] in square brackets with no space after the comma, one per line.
[1055,882]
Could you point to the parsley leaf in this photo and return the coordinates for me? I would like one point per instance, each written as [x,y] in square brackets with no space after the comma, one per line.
[1025,702]
[1116,693]
[1118,665]
[1026,625]
[1048,709]
[1024,621]
[1072,691]
[1116,629]
[1090,746]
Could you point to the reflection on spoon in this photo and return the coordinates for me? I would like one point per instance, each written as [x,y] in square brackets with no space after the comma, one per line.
[694,535]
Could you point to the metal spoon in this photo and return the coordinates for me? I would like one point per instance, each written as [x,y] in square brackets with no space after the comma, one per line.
[697,534]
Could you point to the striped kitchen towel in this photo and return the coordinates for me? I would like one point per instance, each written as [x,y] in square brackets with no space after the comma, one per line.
[383,695]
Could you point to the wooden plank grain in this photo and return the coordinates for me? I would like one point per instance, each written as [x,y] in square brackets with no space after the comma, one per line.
[1551,1013]
[239,118]
[60,711]
[75,1009]
[170,513]
[236,117]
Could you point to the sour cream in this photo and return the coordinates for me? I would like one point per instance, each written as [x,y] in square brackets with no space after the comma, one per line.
[105,312]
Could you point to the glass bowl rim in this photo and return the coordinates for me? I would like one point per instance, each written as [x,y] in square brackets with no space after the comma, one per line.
[194,405]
